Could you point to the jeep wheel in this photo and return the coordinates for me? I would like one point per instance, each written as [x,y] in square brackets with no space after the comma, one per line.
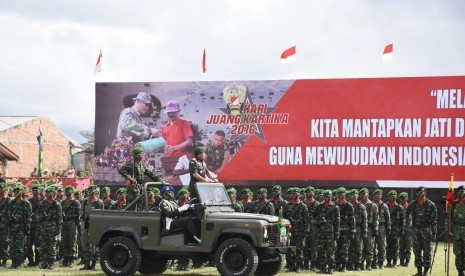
[151,264]
[270,268]
[120,256]
[236,257]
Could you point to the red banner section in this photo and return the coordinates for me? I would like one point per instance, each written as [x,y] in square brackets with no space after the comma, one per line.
[354,129]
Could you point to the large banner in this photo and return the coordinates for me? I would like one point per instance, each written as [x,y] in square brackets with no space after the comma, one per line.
[332,129]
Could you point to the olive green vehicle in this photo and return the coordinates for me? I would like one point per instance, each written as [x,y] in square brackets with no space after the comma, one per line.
[239,243]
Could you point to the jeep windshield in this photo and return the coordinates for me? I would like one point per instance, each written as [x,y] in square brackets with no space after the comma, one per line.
[213,194]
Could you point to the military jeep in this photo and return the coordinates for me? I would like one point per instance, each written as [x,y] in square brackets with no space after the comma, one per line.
[239,243]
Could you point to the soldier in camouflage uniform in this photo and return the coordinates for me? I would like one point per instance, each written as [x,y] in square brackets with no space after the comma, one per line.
[20,218]
[71,222]
[328,220]
[424,222]
[49,217]
[361,228]
[4,223]
[458,230]
[153,198]
[247,197]
[397,215]
[372,221]
[31,240]
[319,195]
[297,214]
[311,241]
[217,151]
[236,205]
[198,171]
[89,251]
[406,239]
[278,201]
[346,230]
[105,197]
[384,229]
[78,196]
[121,203]
[134,172]
[262,205]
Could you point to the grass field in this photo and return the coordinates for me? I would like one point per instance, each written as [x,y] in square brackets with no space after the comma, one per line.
[438,269]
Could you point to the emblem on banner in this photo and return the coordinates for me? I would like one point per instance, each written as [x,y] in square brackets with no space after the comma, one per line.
[234,95]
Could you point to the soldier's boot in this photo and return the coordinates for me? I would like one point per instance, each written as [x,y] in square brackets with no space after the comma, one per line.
[4,262]
[329,270]
[51,264]
[313,267]
[70,262]
[297,268]
[419,272]
[358,267]
[373,265]
[65,262]
[92,265]
[306,265]
[426,271]
[380,265]
[30,262]
[368,267]
[86,265]
[402,262]
[322,270]
[81,262]
[407,262]
[394,263]
[388,263]
[343,267]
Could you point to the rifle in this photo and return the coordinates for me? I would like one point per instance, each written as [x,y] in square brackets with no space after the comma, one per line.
[13,218]
[45,213]
[65,212]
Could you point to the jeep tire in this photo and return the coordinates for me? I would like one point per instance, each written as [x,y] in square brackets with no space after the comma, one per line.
[237,257]
[270,268]
[152,264]
[120,256]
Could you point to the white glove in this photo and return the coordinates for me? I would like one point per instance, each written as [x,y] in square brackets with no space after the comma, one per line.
[184,208]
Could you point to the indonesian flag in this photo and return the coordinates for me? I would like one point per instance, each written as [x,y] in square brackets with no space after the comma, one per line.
[387,53]
[204,62]
[450,194]
[98,66]
[288,55]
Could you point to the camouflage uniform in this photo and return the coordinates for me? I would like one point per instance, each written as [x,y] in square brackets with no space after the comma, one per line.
[215,156]
[4,224]
[397,215]
[71,221]
[196,166]
[107,201]
[49,216]
[372,221]
[406,239]
[246,201]
[384,229]
[424,222]
[297,213]
[278,201]
[328,223]
[20,218]
[89,251]
[32,239]
[78,195]
[121,203]
[236,205]
[137,170]
[131,125]
[361,225]
[458,230]
[262,205]
[311,240]
[346,230]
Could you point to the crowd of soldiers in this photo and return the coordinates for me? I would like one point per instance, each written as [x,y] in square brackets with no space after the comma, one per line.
[335,230]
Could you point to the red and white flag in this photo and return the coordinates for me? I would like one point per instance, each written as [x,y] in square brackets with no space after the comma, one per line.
[204,62]
[387,53]
[288,55]
[98,66]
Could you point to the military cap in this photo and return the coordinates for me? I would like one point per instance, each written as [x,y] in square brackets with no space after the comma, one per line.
[137,151]
[341,190]
[327,192]
[35,187]
[156,190]
[295,190]
[51,189]
[231,191]
[334,191]
[70,188]
[19,187]
[289,190]
[3,185]
[77,192]
[105,189]
[353,191]
[318,191]
[403,194]
[392,192]
[309,189]
[377,191]
[121,191]
[199,150]
[167,187]
[364,190]
[263,191]
[42,188]
[143,97]
[182,191]
[60,190]
[246,190]
[276,188]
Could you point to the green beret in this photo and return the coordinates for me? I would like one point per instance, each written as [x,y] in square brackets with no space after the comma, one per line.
[262,191]
[276,188]
[35,187]
[231,191]
[403,194]
[354,191]
[77,192]
[19,187]
[341,190]
[295,190]
[51,189]
[350,192]
[3,185]
[70,188]
[327,192]
[94,187]
[105,189]
[156,190]
[246,190]
[364,190]
[137,151]
[289,190]
[334,191]
[392,192]
[42,188]
[309,189]
[377,191]
[121,191]
[318,191]
[182,191]
[199,150]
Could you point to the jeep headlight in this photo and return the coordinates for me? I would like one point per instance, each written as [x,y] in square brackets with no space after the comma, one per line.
[265,232]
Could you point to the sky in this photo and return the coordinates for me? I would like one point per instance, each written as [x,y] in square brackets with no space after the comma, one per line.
[49,48]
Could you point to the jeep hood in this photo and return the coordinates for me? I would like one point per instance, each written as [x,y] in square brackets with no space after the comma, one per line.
[220,215]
